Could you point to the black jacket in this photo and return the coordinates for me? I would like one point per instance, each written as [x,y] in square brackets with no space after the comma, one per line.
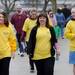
[32,41]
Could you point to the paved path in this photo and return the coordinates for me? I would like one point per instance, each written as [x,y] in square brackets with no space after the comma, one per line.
[20,66]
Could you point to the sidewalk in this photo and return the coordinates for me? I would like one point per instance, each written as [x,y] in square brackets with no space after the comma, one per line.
[20,65]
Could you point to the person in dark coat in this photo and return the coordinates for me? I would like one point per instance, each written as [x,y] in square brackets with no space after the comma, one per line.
[18,21]
[41,43]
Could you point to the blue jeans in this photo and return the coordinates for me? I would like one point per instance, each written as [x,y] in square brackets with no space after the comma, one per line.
[19,43]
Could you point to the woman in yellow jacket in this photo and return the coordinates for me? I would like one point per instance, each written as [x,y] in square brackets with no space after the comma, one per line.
[7,44]
[41,45]
[70,34]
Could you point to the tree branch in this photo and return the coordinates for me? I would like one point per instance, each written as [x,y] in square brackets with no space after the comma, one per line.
[12,6]
[45,5]
[3,2]
[9,5]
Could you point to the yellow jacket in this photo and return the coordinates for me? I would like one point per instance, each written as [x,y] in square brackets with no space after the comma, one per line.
[70,34]
[7,42]
[12,28]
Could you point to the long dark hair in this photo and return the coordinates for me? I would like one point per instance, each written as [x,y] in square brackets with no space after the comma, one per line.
[6,22]
[47,20]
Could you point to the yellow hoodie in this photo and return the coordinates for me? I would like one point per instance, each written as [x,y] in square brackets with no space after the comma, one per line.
[70,34]
[7,41]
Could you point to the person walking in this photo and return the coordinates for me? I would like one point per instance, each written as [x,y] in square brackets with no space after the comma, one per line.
[41,43]
[7,44]
[70,35]
[66,11]
[60,21]
[52,17]
[57,29]
[17,21]
[28,25]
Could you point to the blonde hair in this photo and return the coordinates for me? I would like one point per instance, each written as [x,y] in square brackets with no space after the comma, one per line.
[33,10]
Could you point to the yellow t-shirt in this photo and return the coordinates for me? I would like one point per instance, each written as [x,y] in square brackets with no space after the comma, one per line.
[43,45]
[28,25]
[69,33]
[7,41]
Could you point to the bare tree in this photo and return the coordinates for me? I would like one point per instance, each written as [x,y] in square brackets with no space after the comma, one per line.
[9,5]
[32,3]
[54,6]
[64,1]
[45,5]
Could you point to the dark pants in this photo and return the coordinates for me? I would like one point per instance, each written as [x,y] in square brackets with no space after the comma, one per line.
[4,66]
[30,60]
[45,66]
[19,42]
[31,63]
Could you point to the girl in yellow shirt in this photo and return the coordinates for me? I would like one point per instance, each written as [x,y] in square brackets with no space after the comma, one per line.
[41,42]
[28,25]
[7,44]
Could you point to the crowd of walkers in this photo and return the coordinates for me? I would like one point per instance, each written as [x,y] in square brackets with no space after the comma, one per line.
[38,35]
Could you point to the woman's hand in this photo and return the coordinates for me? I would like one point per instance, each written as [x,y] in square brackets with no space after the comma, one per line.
[57,46]
[58,52]
[13,55]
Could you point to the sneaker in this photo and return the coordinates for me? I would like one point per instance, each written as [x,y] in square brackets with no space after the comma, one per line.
[62,37]
[32,71]
[22,55]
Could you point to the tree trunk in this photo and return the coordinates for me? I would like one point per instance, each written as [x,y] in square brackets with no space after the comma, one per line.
[54,5]
[9,5]
[45,5]
[33,3]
